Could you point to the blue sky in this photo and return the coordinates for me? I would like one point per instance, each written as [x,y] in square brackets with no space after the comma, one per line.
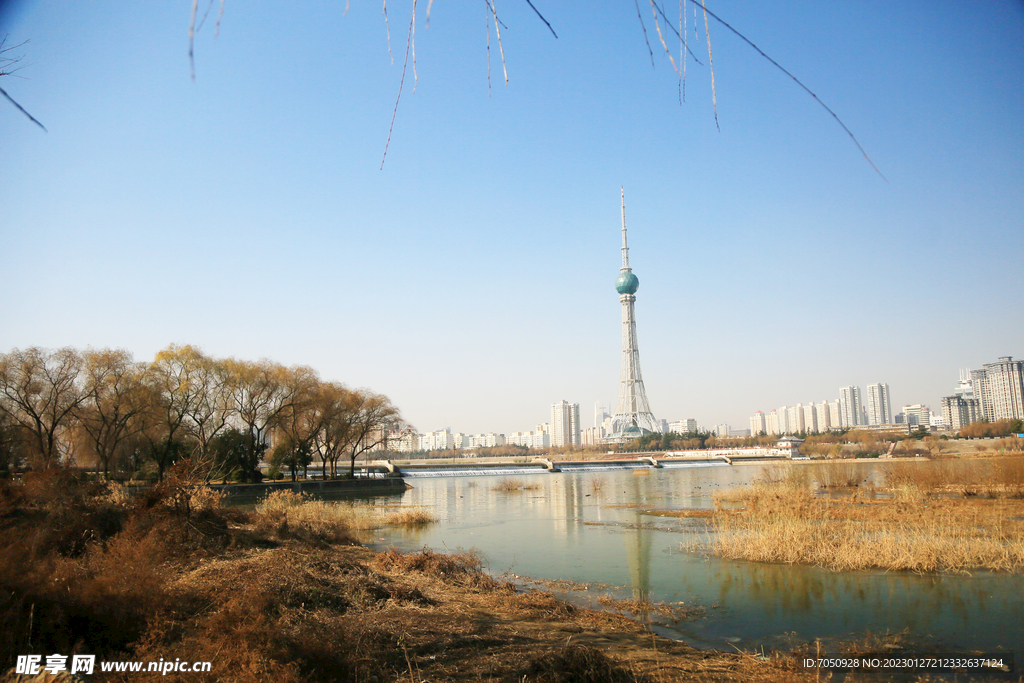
[471,279]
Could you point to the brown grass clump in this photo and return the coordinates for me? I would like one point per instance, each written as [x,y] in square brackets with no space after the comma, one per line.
[576,664]
[919,533]
[460,569]
[838,474]
[409,517]
[511,485]
[292,515]
[643,607]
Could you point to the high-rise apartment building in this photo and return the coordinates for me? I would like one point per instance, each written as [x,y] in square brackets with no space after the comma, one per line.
[879,406]
[437,441]
[980,387]
[1004,389]
[810,419]
[565,424]
[795,418]
[959,412]
[758,424]
[918,414]
[835,415]
[822,416]
[849,406]
[683,426]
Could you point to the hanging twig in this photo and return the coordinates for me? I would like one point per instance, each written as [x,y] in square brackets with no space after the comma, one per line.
[682,53]
[415,76]
[647,42]
[487,15]
[711,64]
[220,15]
[657,26]
[682,36]
[192,39]
[387,28]
[22,109]
[209,6]
[401,83]
[542,18]
[497,31]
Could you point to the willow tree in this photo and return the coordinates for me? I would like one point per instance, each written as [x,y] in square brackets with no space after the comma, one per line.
[114,397]
[39,394]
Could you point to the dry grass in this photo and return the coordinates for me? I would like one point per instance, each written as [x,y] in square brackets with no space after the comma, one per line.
[576,664]
[991,478]
[511,485]
[910,531]
[641,607]
[834,474]
[409,517]
[294,515]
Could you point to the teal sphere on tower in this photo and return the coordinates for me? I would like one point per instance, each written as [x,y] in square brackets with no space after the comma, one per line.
[627,283]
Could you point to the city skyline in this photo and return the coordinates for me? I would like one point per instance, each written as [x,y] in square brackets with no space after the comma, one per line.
[468,280]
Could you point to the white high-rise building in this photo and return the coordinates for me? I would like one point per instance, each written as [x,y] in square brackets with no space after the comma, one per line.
[959,412]
[795,418]
[980,387]
[529,439]
[565,424]
[1004,388]
[777,422]
[822,417]
[683,426]
[810,419]
[722,430]
[849,406]
[437,441]
[879,406]
[758,424]
[918,415]
[835,415]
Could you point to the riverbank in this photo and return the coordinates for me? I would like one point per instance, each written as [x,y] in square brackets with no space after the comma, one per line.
[286,593]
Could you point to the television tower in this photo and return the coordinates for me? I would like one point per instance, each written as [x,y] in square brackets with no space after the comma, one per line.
[633,416]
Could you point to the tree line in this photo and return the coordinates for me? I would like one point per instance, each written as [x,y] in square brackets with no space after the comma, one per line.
[102,409]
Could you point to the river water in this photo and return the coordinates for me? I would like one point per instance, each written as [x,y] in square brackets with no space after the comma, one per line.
[587,527]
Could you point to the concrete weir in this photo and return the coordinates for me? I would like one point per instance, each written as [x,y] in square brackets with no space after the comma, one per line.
[454,468]
[538,465]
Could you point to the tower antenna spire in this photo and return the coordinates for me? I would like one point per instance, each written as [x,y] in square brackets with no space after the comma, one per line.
[625,249]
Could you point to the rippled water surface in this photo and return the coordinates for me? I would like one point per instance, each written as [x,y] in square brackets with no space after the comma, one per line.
[587,527]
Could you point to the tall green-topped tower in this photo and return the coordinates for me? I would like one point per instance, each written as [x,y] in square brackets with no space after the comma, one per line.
[633,417]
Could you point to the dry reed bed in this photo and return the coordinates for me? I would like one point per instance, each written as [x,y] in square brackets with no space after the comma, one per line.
[511,485]
[290,513]
[920,527]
